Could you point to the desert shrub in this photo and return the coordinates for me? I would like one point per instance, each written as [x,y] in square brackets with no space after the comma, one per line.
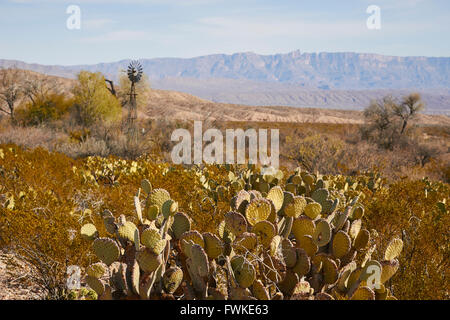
[411,210]
[35,213]
[319,152]
[87,147]
[31,137]
[44,109]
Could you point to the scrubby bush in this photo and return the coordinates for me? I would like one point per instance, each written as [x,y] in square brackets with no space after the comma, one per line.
[418,212]
[44,109]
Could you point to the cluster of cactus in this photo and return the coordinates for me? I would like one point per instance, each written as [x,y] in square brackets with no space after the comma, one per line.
[82,294]
[369,180]
[298,243]
[249,179]
[214,190]
[433,188]
[101,170]
[98,170]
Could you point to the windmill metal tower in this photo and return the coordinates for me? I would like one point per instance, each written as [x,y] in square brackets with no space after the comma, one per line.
[134,72]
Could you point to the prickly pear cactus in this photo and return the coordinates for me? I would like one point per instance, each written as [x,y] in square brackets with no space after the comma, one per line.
[303,239]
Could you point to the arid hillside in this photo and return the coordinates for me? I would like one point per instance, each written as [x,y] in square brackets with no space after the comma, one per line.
[183,106]
[178,105]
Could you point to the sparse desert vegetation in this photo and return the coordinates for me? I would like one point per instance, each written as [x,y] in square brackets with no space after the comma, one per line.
[354,190]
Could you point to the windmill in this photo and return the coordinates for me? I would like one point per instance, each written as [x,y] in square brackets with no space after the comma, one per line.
[134,72]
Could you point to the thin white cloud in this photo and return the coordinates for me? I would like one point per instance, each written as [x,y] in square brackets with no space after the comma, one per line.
[162,2]
[93,24]
[397,4]
[120,35]
[258,28]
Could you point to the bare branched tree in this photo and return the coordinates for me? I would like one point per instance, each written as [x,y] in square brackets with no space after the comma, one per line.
[35,88]
[410,106]
[111,87]
[10,90]
[380,121]
[387,120]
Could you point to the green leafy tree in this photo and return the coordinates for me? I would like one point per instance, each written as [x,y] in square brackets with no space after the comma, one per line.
[93,101]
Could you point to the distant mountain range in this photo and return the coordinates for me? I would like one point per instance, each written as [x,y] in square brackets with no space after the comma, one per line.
[329,80]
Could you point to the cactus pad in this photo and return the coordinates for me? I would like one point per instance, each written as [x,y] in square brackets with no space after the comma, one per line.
[199,260]
[259,291]
[308,244]
[258,210]
[96,270]
[320,195]
[181,224]
[303,226]
[240,201]
[106,250]
[153,240]
[158,197]
[172,279]
[313,210]
[243,270]
[213,245]
[341,244]
[193,236]
[265,232]
[363,293]
[276,196]
[355,228]
[151,212]
[362,239]
[89,232]
[296,207]
[303,264]
[146,186]
[393,249]
[322,233]
[148,261]
[290,256]
[246,242]
[236,223]
[329,268]
[357,213]
[96,284]
[169,208]
[389,268]
[128,231]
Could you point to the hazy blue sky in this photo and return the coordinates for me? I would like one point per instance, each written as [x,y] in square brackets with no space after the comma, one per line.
[35,30]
